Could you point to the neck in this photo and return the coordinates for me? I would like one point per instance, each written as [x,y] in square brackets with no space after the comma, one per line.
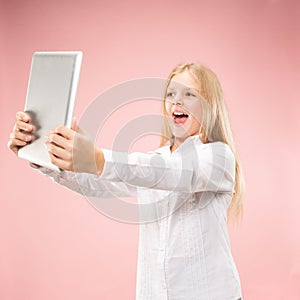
[176,143]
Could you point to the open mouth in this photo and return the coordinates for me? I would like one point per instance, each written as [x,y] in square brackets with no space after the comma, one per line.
[179,117]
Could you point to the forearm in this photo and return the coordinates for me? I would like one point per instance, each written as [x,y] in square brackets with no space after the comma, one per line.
[209,168]
[89,185]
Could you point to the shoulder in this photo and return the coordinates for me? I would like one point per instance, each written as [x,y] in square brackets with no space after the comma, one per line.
[218,147]
[163,149]
[218,153]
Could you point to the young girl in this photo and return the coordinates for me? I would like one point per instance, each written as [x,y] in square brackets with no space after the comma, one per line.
[196,184]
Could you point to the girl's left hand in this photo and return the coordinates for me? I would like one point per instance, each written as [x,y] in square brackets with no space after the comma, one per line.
[72,150]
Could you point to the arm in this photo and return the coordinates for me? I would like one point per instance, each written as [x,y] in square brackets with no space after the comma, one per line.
[89,185]
[205,167]
[193,168]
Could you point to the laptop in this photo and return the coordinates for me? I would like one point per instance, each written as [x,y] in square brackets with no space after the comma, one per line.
[50,99]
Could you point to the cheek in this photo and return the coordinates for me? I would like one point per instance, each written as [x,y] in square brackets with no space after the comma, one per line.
[196,111]
[168,107]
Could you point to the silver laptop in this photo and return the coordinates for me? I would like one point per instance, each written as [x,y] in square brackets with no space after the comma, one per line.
[50,99]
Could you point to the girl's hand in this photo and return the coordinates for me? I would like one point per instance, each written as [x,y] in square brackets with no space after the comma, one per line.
[22,131]
[72,150]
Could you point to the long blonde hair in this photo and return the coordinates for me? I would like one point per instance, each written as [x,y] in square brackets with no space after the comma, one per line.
[214,127]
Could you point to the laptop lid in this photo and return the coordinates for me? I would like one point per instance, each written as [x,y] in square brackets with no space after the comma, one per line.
[50,99]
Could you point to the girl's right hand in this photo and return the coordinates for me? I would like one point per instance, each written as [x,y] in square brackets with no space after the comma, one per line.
[21,133]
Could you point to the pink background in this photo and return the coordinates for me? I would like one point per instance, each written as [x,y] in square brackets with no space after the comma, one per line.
[53,243]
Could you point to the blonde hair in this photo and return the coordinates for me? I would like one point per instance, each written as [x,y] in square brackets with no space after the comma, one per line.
[214,126]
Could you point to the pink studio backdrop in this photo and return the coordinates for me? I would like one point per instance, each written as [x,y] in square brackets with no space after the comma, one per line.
[53,243]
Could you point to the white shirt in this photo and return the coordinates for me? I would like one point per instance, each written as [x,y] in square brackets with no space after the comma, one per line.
[184,247]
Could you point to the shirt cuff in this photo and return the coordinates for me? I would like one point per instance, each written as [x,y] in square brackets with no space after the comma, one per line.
[107,173]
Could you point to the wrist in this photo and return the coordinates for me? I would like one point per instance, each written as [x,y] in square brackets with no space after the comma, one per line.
[99,157]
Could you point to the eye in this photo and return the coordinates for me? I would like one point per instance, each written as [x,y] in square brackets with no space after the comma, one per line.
[170,94]
[189,94]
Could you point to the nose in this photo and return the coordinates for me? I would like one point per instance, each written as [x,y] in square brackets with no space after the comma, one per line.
[177,100]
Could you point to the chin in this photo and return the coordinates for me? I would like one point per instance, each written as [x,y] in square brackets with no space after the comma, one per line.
[181,133]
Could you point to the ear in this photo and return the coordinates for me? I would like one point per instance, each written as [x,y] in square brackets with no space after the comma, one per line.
[74,124]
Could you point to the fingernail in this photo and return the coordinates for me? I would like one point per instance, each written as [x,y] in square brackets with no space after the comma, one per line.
[28,137]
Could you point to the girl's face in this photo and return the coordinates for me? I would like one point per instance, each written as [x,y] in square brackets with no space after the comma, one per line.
[183,105]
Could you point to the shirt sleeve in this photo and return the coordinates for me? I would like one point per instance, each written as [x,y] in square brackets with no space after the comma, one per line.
[204,167]
[89,184]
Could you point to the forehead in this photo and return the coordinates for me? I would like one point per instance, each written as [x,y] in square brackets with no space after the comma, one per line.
[183,80]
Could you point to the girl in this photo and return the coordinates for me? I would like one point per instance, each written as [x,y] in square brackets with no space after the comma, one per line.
[184,252]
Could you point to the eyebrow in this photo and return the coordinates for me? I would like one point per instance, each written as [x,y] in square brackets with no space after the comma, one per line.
[187,88]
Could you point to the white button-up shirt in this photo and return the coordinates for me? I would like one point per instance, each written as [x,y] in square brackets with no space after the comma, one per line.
[184,247]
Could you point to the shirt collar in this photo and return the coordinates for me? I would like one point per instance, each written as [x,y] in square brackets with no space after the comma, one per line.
[166,148]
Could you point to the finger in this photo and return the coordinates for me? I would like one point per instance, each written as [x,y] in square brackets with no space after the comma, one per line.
[60,162]
[23,116]
[74,124]
[21,136]
[20,125]
[59,141]
[12,147]
[35,166]
[16,143]
[58,151]
[65,132]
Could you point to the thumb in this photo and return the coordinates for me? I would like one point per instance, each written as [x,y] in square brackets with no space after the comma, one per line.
[76,128]
[74,123]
